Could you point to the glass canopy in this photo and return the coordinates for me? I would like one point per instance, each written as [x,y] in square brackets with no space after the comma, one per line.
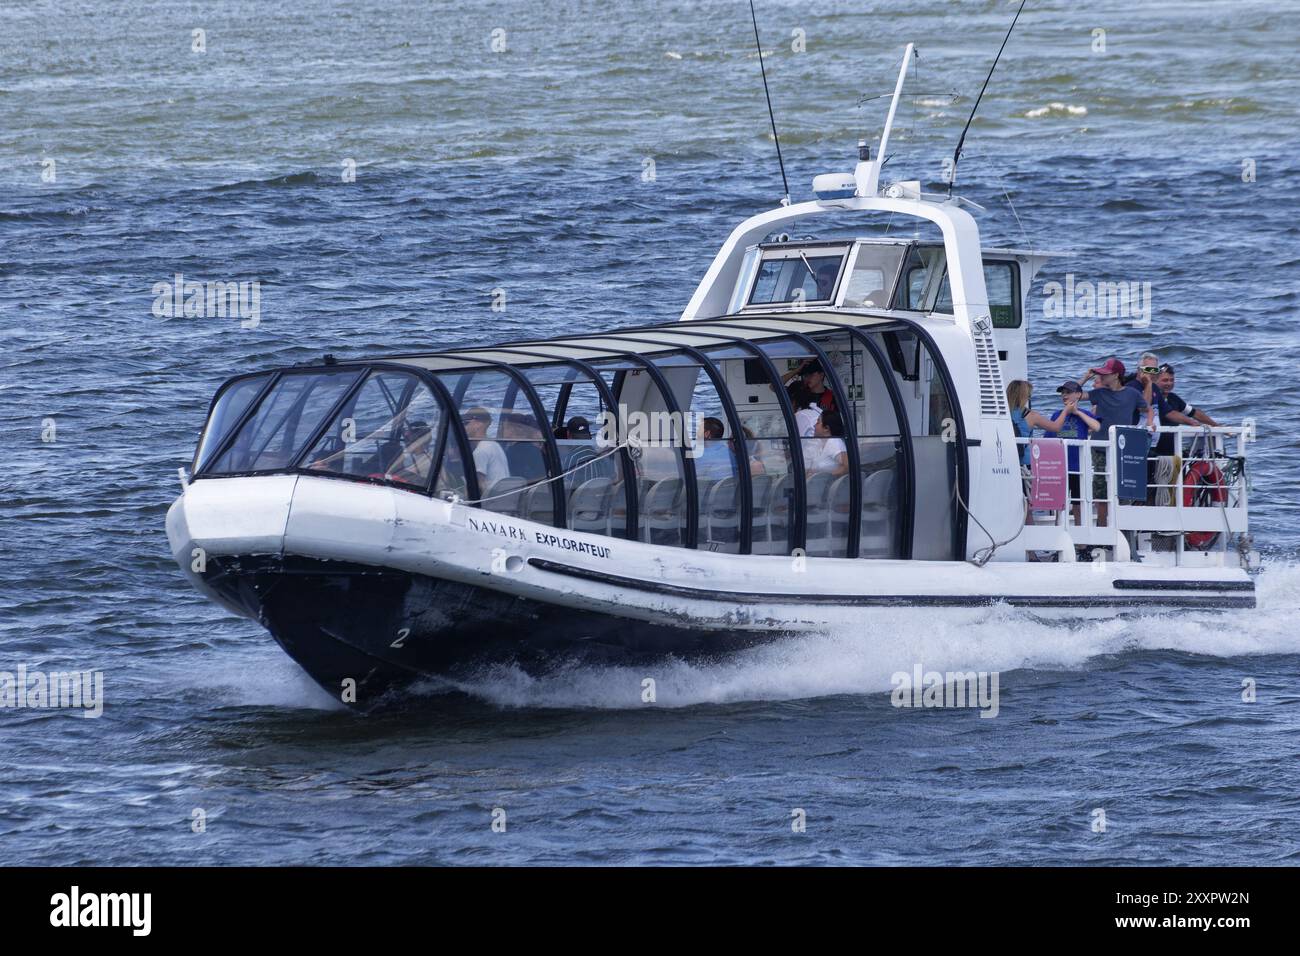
[808,433]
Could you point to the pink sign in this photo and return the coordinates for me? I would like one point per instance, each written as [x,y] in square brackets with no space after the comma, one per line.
[1047,465]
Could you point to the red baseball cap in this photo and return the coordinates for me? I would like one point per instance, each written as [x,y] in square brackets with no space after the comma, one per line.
[1112,366]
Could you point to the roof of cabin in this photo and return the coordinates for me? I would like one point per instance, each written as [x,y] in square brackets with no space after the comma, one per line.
[651,339]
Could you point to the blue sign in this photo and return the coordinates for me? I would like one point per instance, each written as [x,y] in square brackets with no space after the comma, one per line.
[1131,447]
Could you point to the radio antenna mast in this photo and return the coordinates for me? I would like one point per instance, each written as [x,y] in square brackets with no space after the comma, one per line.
[956,156]
[772,116]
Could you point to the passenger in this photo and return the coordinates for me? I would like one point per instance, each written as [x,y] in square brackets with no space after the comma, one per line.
[827,453]
[578,429]
[489,460]
[524,448]
[1145,381]
[415,454]
[1165,383]
[805,420]
[1112,404]
[581,459]
[810,387]
[1024,419]
[716,460]
[1078,425]
[1144,378]
[826,276]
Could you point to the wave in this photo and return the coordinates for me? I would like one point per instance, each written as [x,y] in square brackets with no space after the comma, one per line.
[306,178]
[1056,109]
[863,661]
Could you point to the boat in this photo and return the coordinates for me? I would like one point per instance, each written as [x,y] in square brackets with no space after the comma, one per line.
[654,491]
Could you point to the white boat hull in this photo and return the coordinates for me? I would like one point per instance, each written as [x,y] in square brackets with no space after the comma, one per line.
[385,586]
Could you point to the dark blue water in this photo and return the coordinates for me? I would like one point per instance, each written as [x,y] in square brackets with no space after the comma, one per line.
[523,170]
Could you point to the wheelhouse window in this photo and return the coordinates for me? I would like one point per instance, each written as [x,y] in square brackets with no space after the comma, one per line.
[1001,285]
[872,278]
[924,265]
[1001,280]
[797,276]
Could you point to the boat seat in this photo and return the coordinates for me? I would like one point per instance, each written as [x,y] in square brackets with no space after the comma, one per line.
[839,498]
[778,515]
[661,512]
[818,534]
[506,494]
[539,504]
[617,506]
[761,532]
[878,511]
[589,506]
[720,511]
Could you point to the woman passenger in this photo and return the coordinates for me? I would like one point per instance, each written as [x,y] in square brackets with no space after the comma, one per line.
[827,452]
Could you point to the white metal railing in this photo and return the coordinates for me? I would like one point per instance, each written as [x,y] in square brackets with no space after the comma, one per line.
[1200,508]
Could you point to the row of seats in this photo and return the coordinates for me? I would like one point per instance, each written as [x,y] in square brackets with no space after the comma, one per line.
[598,506]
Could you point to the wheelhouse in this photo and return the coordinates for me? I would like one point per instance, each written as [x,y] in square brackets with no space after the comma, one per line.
[681,435]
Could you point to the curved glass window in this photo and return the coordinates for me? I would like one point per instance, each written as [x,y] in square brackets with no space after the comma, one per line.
[767,441]
[709,442]
[644,414]
[226,412]
[880,452]
[507,442]
[284,422]
[388,430]
[932,418]
[592,466]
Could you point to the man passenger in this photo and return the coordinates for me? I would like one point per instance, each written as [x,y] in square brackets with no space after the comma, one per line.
[489,460]
[1113,404]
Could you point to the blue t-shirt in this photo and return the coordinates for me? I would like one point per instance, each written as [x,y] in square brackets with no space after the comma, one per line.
[716,461]
[1022,431]
[1074,427]
[1119,407]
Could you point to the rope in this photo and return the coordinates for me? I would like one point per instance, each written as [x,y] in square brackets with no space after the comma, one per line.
[456,499]
[984,555]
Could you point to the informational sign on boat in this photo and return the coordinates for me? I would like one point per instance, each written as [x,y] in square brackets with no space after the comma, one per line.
[1131,447]
[1048,467]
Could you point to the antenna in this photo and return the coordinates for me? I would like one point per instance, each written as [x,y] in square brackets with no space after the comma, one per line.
[956,156]
[866,175]
[772,116]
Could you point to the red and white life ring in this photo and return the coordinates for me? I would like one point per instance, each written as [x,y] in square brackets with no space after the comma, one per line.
[1203,485]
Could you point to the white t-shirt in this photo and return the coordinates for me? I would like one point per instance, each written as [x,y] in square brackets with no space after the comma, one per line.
[806,420]
[824,454]
[490,461]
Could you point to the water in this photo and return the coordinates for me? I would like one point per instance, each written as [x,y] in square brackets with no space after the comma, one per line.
[527,170]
